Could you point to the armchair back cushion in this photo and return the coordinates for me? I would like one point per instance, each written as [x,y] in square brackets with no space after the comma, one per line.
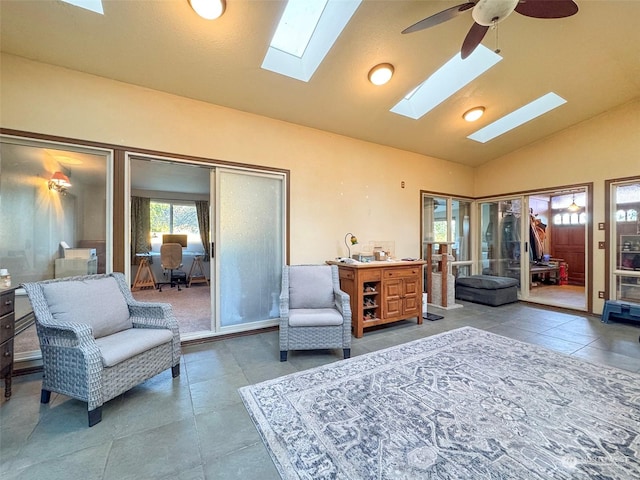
[97,303]
[310,286]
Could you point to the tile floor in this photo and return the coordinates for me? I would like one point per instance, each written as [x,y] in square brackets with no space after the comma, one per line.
[196,427]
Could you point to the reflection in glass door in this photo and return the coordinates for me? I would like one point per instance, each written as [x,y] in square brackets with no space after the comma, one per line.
[501,232]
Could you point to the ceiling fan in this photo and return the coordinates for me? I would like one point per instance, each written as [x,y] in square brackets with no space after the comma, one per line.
[488,13]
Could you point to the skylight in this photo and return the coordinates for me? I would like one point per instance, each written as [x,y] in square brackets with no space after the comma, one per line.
[446,81]
[93,5]
[296,27]
[306,32]
[518,117]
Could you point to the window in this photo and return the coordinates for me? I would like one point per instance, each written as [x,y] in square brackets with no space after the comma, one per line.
[630,215]
[174,217]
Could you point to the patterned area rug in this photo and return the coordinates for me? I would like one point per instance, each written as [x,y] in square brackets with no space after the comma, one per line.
[465,404]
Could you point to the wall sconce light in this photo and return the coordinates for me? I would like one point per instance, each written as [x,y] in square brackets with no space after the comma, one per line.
[474,114]
[208,9]
[381,74]
[353,240]
[59,182]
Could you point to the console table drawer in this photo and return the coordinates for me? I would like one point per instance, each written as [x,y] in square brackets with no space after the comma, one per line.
[6,302]
[402,272]
[371,275]
[6,354]
[6,327]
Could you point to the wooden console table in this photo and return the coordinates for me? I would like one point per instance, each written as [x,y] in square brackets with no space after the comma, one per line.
[382,292]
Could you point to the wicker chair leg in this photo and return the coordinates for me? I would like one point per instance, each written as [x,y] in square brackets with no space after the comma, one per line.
[45,396]
[175,371]
[283,355]
[347,353]
[95,416]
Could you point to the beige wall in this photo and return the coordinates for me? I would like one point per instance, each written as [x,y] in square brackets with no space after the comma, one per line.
[338,184]
[603,148]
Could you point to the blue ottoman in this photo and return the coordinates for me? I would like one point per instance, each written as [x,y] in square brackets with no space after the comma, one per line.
[487,289]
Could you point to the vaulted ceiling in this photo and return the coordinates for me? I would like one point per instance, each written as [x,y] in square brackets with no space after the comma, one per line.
[591,59]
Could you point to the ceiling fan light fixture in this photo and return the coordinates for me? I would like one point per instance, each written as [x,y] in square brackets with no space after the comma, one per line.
[473,114]
[381,74]
[208,9]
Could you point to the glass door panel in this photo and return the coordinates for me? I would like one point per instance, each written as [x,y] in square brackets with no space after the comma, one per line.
[501,238]
[461,237]
[626,232]
[55,213]
[250,249]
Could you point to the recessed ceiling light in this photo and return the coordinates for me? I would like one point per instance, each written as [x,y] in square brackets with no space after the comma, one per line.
[381,74]
[306,32]
[474,114]
[446,81]
[518,117]
[208,9]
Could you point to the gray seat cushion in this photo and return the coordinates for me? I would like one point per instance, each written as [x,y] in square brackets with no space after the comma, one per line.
[97,303]
[319,317]
[128,343]
[487,282]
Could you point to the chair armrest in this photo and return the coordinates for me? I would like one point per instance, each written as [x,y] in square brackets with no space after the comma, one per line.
[152,315]
[156,315]
[284,304]
[67,335]
[341,300]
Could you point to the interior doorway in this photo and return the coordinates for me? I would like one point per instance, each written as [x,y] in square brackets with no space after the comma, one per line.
[233,222]
[542,240]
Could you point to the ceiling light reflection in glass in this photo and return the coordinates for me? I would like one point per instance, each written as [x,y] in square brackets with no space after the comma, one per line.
[446,81]
[518,117]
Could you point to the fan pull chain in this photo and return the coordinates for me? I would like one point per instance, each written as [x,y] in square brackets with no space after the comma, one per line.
[495,27]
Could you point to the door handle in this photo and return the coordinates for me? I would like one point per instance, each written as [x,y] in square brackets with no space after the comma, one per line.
[213,249]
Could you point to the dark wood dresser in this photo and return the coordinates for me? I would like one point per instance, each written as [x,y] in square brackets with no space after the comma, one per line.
[7,332]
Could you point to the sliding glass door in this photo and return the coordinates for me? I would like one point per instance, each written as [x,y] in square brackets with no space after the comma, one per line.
[233,221]
[625,237]
[55,218]
[250,247]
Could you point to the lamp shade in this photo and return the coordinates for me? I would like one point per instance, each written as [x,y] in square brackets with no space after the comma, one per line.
[574,207]
[59,180]
[352,239]
[208,9]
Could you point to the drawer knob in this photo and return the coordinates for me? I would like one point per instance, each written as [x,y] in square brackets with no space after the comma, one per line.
[8,302]
[7,326]
[7,354]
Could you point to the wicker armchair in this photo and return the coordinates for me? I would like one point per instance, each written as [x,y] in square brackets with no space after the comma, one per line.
[314,312]
[97,342]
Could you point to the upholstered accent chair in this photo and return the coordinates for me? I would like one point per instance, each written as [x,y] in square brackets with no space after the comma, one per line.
[314,312]
[98,342]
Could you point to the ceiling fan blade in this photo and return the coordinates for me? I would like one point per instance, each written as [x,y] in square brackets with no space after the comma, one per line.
[547,8]
[439,18]
[473,39]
